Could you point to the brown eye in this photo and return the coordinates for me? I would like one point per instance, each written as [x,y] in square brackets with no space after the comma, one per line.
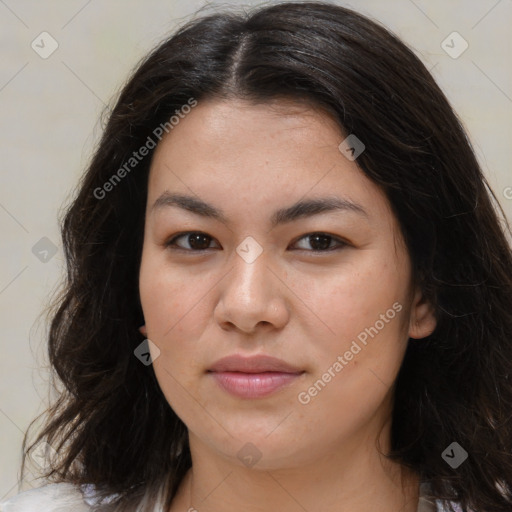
[322,242]
[196,241]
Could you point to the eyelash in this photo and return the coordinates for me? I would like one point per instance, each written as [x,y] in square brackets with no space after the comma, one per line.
[171,243]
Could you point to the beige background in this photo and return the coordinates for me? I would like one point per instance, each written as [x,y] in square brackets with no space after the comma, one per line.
[50,110]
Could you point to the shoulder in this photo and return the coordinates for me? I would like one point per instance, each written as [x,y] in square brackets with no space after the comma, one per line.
[434,505]
[55,497]
[428,503]
[448,507]
[452,506]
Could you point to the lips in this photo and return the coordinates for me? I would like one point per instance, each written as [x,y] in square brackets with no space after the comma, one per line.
[253,377]
[253,364]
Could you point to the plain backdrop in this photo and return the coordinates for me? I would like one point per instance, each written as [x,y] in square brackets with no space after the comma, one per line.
[50,122]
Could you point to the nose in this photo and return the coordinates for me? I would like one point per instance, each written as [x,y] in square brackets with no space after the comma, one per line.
[252,297]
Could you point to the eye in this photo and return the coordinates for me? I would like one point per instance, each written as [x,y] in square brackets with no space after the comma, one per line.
[196,241]
[321,242]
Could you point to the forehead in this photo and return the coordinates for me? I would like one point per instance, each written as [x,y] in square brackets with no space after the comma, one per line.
[231,131]
[231,150]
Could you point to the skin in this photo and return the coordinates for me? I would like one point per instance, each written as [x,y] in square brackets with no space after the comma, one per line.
[293,303]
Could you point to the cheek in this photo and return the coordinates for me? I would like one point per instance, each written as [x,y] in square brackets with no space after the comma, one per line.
[365,312]
[171,319]
[175,310]
[353,299]
[343,407]
[165,293]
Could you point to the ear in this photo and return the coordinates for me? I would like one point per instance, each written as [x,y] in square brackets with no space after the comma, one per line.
[422,321]
[143,331]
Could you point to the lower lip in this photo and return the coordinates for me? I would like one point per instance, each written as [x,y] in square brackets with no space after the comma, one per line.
[253,385]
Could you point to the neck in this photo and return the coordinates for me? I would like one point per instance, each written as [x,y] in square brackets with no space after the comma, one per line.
[355,481]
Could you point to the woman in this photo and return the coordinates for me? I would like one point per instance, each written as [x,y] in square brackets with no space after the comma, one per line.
[288,287]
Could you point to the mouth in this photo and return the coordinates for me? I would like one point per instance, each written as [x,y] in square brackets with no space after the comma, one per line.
[253,377]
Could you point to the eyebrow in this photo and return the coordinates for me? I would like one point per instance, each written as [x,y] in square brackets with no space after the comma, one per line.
[301,209]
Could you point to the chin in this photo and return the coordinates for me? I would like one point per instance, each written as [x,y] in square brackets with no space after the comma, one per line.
[264,450]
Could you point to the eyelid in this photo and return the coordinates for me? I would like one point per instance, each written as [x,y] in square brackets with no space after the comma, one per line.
[341,243]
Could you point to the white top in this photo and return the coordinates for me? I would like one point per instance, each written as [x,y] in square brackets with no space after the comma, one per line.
[66,497]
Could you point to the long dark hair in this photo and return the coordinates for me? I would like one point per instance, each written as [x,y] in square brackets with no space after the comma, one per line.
[453,386]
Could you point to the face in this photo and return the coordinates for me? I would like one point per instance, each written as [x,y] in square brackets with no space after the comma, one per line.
[233,268]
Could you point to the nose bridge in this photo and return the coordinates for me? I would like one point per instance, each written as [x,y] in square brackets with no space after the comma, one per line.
[251,279]
[251,294]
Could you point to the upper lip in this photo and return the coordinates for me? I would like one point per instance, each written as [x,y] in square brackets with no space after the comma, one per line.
[253,364]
